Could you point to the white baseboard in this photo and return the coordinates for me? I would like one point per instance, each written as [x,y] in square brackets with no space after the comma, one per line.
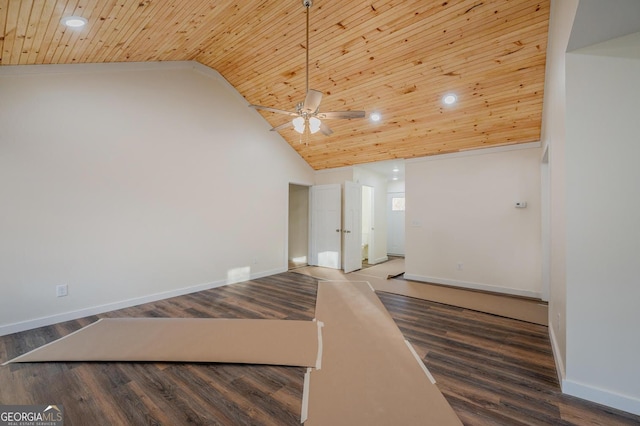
[557,355]
[473,286]
[378,260]
[602,396]
[590,393]
[95,310]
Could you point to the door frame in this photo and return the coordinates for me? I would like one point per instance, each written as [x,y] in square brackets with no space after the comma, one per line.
[330,220]
[288,222]
[352,227]
[372,215]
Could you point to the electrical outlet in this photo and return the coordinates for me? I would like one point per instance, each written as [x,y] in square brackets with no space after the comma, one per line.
[62,290]
[459,266]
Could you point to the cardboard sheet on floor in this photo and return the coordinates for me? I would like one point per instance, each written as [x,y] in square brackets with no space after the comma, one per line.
[369,375]
[518,308]
[276,342]
[321,273]
[385,270]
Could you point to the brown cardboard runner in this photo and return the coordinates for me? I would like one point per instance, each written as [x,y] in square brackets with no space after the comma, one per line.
[529,310]
[364,372]
[276,342]
[369,375]
[523,309]
[386,270]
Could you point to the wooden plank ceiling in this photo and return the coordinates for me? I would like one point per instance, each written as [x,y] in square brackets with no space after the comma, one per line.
[395,57]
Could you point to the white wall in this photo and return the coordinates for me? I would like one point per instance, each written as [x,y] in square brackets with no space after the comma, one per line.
[603,229]
[461,209]
[130,182]
[395,186]
[332,176]
[553,139]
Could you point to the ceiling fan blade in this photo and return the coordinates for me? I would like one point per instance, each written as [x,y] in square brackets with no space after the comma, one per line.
[312,101]
[282,126]
[326,130]
[279,111]
[341,114]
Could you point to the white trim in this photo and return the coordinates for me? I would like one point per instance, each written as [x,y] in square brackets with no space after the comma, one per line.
[476,151]
[99,309]
[211,73]
[304,411]
[319,356]
[474,286]
[379,260]
[335,169]
[602,396]
[420,363]
[268,273]
[557,356]
[95,67]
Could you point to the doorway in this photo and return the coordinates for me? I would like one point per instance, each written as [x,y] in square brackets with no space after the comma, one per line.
[298,240]
[395,223]
[368,208]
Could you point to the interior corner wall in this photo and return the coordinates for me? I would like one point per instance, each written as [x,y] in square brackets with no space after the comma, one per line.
[553,139]
[462,226]
[603,232]
[130,183]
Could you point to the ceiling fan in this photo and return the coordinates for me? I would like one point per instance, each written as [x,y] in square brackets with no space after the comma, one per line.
[308,118]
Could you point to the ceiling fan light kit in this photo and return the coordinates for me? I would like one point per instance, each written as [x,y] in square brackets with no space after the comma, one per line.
[307,116]
[313,123]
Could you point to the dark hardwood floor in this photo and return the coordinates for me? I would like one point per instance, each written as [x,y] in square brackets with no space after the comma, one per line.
[492,370]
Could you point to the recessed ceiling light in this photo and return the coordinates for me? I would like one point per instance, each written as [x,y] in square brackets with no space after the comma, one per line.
[74,21]
[375,116]
[396,170]
[449,99]
[395,178]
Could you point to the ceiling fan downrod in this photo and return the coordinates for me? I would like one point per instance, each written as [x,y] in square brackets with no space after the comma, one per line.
[308,117]
[307,4]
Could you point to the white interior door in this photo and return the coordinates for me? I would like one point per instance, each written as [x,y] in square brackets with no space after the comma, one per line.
[352,229]
[395,223]
[325,233]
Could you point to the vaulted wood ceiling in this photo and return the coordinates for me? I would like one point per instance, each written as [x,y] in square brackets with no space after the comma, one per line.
[395,57]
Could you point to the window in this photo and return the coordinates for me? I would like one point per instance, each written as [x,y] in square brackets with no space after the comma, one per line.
[397,204]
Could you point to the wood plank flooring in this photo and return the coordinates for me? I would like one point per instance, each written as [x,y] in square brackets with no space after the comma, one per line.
[492,370]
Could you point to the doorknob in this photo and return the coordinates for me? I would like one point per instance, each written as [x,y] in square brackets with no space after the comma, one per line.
[346,232]
[337,230]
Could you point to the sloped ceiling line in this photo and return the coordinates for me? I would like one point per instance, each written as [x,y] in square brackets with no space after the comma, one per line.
[395,58]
